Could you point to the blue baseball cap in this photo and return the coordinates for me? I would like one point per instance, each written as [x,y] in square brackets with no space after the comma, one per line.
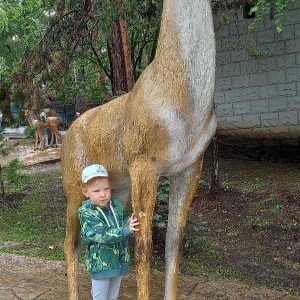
[93,171]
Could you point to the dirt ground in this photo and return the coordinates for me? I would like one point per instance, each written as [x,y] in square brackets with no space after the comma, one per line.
[249,229]
[25,278]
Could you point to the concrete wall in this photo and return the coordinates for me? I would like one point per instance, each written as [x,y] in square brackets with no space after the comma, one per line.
[258,77]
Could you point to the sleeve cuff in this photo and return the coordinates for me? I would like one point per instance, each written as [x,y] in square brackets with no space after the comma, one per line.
[126,231]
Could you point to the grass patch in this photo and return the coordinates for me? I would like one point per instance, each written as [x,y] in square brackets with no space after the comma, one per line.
[29,220]
[41,250]
[26,223]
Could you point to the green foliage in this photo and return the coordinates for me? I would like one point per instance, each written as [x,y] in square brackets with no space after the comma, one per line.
[44,249]
[274,8]
[12,170]
[256,221]
[233,233]
[271,9]
[143,19]
[200,237]
[276,209]
[25,230]
[254,53]
[25,223]
[202,183]
[74,51]
[73,84]
[3,148]
[250,220]
[13,177]
[256,185]
[225,186]
[21,25]
[30,131]
[70,56]
[263,223]
[160,217]
[163,190]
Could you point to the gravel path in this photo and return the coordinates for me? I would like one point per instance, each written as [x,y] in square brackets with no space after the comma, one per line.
[26,278]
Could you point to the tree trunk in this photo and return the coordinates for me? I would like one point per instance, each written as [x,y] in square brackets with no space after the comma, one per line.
[122,71]
[215,167]
[1,182]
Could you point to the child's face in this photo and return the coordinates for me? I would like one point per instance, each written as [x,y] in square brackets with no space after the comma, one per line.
[98,191]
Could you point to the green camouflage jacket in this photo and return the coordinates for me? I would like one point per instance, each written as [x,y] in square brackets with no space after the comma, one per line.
[106,239]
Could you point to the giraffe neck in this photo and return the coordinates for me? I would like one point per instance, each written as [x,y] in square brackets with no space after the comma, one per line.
[187,45]
[183,76]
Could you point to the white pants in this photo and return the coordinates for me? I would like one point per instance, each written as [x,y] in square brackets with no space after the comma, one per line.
[106,289]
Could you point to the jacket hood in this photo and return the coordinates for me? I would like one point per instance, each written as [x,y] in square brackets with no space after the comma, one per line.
[86,202]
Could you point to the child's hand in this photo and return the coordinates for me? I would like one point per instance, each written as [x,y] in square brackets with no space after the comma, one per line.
[133,222]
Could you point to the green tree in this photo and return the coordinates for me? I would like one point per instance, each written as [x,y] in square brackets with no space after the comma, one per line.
[76,54]
[21,26]
[67,46]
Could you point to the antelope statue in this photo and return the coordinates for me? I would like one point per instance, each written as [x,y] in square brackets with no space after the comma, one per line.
[49,112]
[50,122]
[161,128]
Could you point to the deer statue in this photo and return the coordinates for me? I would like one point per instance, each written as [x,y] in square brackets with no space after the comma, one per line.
[50,122]
[162,127]
[49,112]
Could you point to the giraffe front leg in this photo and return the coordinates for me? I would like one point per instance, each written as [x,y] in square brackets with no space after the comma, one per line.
[182,190]
[144,180]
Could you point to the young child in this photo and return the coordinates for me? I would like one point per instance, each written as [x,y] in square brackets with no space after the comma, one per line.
[105,229]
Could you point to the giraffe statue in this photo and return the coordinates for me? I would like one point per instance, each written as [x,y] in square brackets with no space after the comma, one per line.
[50,122]
[161,128]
